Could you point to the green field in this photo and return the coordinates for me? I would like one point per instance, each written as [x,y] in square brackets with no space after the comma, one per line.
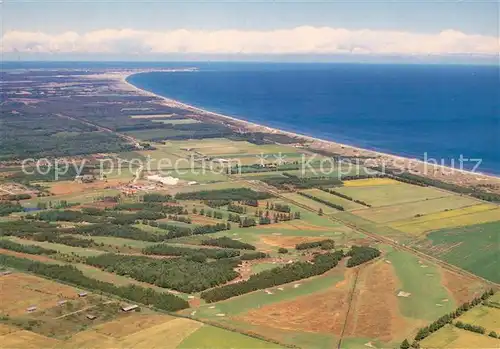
[346,204]
[209,337]
[423,281]
[409,210]
[382,195]
[473,248]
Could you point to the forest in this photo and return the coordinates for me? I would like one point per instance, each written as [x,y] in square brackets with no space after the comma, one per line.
[360,255]
[180,274]
[170,250]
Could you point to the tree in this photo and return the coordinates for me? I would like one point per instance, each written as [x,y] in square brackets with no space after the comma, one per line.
[282,250]
[405,344]
[320,212]
[493,334]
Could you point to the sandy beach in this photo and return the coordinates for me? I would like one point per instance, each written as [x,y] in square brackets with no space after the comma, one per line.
[416,166]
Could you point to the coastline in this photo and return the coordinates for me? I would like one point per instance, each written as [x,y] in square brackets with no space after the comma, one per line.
[416,166]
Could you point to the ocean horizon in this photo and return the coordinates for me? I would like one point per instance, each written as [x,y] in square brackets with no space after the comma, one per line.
[441,112]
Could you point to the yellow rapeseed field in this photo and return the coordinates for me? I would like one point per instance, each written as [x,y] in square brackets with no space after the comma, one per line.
[370,182]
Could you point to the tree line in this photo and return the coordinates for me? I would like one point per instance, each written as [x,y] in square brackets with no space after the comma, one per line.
[326,244]
[324,202]
[70,274]
[288,180]
[224,194]
[228,243]
[347,197]
[155,197]
[448,318]
[14,246]
[276,276]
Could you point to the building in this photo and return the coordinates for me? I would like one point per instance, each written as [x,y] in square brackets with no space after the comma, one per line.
[31,309]
[90,316]
[168,180]
[82,294]
[130,307]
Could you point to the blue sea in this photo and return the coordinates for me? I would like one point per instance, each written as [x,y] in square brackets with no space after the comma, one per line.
[421,111]
[443,111]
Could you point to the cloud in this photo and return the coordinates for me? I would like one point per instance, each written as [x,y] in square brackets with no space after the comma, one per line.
[299,40]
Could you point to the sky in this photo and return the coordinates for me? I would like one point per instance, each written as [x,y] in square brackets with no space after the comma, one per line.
[153,29]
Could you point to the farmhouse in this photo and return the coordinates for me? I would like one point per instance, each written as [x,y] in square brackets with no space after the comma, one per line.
[31,309]
[85,179]
[91,316]
[82,294]
[129,307]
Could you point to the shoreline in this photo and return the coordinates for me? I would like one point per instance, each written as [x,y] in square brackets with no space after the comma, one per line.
[409,164]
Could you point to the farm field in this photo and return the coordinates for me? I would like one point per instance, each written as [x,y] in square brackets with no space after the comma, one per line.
[177,121]
[368,182]
[391,194]
[208,337]
[483,316]
[222,146]
[456,338]
[347,204]
[473,248]
[148,330]
[388,214]
[309,203]
[482,213]
[21,291]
